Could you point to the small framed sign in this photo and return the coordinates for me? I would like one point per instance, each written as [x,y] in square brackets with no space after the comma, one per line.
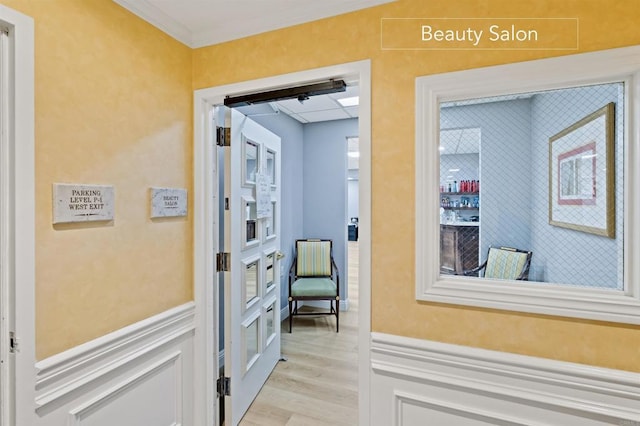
[82,203]
[168,202]
[263,195]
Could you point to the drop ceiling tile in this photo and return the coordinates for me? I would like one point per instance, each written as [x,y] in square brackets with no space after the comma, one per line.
[314,103]
[352,111]
[326,115]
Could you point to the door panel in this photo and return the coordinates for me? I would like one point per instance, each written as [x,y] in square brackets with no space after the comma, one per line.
[252,290]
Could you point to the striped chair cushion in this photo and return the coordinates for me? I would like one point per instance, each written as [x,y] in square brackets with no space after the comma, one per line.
[505,264]
[314,259]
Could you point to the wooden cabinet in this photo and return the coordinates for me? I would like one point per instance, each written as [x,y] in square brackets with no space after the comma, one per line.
[458,248]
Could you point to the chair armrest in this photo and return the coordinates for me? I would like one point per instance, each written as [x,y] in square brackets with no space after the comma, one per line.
[475,270]
[334,267]
[292,273]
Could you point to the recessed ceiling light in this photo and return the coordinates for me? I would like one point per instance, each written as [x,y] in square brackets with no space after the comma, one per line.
[354,154]
[347,102]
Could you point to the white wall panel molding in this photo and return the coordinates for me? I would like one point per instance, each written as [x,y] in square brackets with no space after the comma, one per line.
[405,401]
[78,415]
[415,379]
[139,369]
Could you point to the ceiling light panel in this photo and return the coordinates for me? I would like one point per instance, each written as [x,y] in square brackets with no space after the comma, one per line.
[350,101]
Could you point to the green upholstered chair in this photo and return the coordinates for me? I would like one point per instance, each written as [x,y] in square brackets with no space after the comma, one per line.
[314,276]
[505,263]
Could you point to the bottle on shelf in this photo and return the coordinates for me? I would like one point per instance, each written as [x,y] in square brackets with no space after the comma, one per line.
[461,187]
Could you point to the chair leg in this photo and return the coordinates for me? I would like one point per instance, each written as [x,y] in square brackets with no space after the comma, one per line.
[337,316]
[290,314]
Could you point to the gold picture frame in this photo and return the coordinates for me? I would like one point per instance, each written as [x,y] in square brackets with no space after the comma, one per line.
[581,175]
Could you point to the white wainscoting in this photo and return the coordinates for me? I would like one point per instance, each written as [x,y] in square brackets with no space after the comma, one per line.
[139,375]
[416,382]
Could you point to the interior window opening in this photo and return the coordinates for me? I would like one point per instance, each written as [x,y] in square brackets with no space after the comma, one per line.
[532,187]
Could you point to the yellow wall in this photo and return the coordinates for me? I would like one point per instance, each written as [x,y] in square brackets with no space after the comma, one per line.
[113,106]
[603,24]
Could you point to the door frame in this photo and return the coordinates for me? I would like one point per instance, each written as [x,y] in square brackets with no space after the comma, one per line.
[17,247]
[205,209]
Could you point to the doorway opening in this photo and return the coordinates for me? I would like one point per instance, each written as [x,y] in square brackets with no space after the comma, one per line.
[206,229]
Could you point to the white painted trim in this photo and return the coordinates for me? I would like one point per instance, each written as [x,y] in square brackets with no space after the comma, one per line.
[20,224]
[68,372]
[568,71]
[231,30]
[76,415]
[585,392]
[364,246]
[402,399]
[156,17]
[6,286]
[284,312]
[205,282]
[205,199]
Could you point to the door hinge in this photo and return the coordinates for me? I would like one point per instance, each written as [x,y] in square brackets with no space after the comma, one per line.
[223,385]
[223,262]
[223,136]
[13,343]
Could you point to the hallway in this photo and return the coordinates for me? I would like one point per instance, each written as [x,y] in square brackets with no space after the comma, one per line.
[318,384]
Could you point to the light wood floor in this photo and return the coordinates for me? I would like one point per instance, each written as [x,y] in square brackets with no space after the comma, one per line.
[318,384]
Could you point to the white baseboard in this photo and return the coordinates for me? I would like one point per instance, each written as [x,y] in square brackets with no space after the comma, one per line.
[284,313]
[141,373]
[423,382]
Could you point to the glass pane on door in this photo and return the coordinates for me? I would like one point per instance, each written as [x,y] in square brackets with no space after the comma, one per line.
[250,218]
[269,271]
[251,160]
[269,223]
[251,282]
[270,323]
[271,166]
[251,343]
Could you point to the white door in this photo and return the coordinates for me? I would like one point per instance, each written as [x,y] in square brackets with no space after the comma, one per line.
[4,307]
[252,287]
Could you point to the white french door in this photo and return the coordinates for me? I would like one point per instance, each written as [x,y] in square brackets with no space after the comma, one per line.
[252,238]
[4,289]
